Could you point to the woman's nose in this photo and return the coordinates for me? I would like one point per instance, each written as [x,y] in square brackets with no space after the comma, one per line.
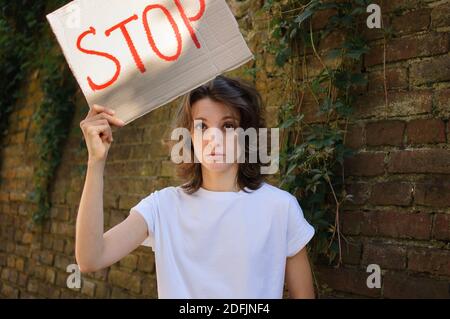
[213,134]
[215,137]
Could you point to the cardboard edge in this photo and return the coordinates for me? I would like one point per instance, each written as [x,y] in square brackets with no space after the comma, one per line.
[252,57]
[55,22]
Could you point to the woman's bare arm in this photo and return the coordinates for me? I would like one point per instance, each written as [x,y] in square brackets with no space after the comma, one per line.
[95,249]
[299,277]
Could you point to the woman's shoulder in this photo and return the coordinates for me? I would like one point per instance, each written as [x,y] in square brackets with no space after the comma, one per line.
[167,191]
[274,192]
[266,190]
[162,193]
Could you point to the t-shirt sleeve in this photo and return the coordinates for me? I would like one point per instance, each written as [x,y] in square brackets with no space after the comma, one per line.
[299,231]
[148,208]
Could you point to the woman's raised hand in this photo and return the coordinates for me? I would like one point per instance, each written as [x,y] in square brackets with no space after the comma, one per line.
[97,131]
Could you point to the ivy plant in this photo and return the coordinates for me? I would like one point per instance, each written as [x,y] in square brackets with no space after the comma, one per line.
[313,152]
[27,45]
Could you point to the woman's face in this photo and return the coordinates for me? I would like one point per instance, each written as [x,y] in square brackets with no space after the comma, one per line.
[211,143]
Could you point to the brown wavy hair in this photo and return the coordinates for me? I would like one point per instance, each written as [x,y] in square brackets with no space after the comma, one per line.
[243,97]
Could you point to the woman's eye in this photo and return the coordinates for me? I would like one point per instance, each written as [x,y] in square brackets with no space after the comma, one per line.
[199,126]
[228,125]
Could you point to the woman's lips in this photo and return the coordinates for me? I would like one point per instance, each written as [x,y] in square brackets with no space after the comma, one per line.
[216,156]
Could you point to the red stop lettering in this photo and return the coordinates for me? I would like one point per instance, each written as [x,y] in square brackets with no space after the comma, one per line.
[134,53]
[194,18]
[150,36]
[94,86]
[122,26]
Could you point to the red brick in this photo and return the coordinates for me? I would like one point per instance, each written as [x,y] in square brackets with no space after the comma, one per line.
[442,102]
[425,131]
[420,161]
[125,280]
[389,6]
[433,192]
[46,257]
[17,138]
[4,196]
[88,288]
[399,104]
[120,153]
[60,213]
[433,261]
[146,263]
[391,224]
[131,135]
[128,201]
[434,69]
[320,19]
[441,229]
[354,138]
[351,252]
[129,262]
[346,280]
[48,291]
[440,16]
[365,164]
[110,199]
[18,196]
[448,132]
[386,256]
[391,193]
[412,21]
[9,291]
[385,133]
[22,282]
[352,222]
[396,78]
[3,260]
[408,103]
[408,47]
[150,288]
[360,192]
[405,286]
[101,274]
[102,291]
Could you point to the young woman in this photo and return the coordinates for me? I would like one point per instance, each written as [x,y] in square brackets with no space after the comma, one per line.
[225,233]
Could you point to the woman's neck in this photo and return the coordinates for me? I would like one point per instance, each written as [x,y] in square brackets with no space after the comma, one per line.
[221,181]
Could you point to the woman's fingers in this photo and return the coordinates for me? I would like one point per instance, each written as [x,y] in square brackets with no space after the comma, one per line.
[100,121]
[107,136]
[99,109]
[96,109]
[112,120]
[102,130]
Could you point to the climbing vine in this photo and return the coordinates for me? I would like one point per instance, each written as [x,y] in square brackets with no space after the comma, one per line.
[313,152]
[27,45]
[17,26]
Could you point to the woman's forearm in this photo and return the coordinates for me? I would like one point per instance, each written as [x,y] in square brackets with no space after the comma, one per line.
[89,224]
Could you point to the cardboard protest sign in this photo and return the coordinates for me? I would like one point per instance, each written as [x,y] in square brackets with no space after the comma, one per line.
[134,56]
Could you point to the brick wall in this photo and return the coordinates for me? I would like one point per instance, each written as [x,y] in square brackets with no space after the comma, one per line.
[399,218]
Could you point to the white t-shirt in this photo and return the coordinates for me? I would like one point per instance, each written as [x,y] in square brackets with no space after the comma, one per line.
[223,244]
